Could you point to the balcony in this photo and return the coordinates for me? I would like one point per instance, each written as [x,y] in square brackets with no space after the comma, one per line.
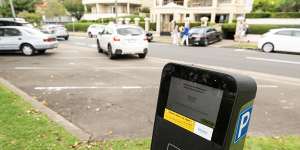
[136,2]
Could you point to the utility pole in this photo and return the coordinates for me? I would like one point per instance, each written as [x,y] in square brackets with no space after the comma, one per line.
[12,8]
[116,12]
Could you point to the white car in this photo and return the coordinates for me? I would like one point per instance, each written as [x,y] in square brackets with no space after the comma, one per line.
[123,39]
[94,29]
[58,30]
[25,39]
[285,39]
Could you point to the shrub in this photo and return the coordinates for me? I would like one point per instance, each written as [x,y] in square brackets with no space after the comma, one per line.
[274,15]
[81,26]
[229,29]
[31,17]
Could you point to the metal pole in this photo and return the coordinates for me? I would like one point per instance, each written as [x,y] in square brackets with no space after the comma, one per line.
[12,8]
[116,12]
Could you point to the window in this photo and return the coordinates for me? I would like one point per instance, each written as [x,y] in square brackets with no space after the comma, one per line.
[130,31]
[296,33]
[12,32]
[1,32]
[284,32]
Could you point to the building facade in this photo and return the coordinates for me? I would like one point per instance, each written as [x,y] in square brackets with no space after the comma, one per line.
[96,9]
[218,11]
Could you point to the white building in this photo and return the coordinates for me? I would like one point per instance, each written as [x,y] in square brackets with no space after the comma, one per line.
[164,11]
[96,9]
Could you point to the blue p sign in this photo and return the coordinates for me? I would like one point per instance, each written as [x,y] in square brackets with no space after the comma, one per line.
[243,124]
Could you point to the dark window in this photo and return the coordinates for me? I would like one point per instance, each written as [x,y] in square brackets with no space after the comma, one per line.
[1,32]
[284,32]
[130,31]
[297,33]
[12,32]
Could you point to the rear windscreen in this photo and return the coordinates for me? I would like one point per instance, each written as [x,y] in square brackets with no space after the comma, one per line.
[130,31]
[195,101]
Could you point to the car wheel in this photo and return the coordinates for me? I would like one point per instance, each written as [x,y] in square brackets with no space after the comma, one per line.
[205,42]
[110,53]
[100,50]
[42,51]
[27,49]
[142,55]
[67,38]
[268,47]
[90,35]
[220,38]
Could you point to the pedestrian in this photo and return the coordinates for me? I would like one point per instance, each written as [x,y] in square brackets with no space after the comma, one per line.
[175,35]
[185,38]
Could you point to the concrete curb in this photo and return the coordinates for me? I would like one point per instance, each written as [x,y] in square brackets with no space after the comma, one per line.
[74,130]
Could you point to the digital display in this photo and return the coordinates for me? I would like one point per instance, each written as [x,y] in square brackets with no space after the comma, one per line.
[195,101]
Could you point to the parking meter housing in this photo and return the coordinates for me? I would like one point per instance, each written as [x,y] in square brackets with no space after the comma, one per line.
[202,109]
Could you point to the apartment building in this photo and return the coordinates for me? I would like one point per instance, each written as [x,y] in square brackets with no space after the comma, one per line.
[96,9]
[164,11]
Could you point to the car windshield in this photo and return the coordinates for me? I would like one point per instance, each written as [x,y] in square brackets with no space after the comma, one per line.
[198,30]
[130,31]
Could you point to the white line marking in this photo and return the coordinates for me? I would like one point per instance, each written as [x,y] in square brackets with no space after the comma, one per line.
[129,68]
[93,45]
[274,60]
[39,68]
[239,50]
[91,87]
[267,86]
[256,75]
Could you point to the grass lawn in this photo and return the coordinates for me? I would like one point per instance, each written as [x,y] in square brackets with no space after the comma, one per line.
[243,45]
[24,128]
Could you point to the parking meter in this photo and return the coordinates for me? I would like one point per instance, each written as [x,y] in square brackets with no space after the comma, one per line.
[200,109]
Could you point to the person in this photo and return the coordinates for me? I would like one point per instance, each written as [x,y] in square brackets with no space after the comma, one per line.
[175,35]
[185,38]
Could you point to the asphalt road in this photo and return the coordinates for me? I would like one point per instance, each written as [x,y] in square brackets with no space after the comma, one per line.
[117,98]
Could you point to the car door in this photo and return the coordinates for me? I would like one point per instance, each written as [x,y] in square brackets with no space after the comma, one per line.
[209,35]
[282,40]
[12,39]
[295,42]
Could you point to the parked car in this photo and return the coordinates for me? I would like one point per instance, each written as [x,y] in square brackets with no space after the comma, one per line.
[94,29]
[204,36]
[122,39]
[25,39]
[58,30]
[149,36]
[285,39]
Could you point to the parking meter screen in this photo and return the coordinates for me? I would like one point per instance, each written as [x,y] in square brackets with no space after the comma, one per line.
[193,101]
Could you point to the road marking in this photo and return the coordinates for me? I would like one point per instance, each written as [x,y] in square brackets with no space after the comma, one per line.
[274,60]
[60,88]
[129,68]
[239,50]
[255,75]
[267,86]
[40,68]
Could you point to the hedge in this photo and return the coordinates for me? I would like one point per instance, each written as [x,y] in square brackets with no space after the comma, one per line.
[82,26]
[274,15]
[229,29]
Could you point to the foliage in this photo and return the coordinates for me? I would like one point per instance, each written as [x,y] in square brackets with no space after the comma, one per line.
[75,8]
[145,10]
[276,6]
[274,15]
[30,17]
[54,9]
[229,29]
[19,5]
[82,27]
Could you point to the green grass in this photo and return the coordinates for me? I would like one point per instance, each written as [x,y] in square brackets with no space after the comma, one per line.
[243,45]
[24,128]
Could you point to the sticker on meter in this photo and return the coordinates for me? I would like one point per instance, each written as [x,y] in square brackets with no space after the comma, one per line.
[188,124]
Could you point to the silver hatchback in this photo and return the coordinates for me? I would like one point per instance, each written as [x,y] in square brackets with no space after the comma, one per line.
[27,40]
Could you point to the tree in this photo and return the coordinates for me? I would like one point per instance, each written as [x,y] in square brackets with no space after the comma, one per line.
[266,5]
[54,9]
[290,5]
[31,17]
[75,8]
[19,5]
